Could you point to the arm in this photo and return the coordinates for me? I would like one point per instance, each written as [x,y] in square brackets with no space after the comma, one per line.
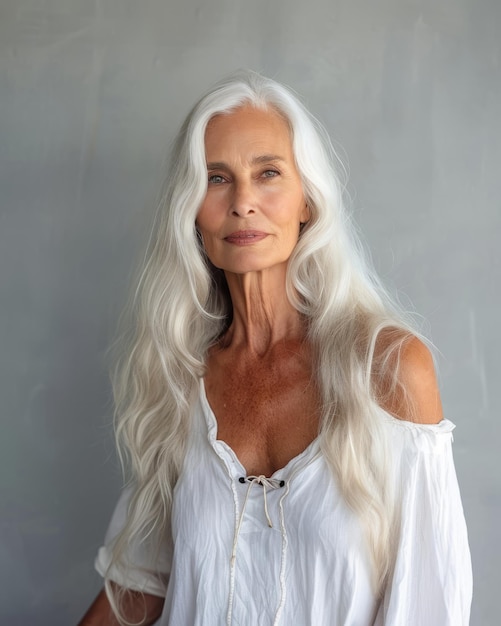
[147,569]
[431,579]
[137,606]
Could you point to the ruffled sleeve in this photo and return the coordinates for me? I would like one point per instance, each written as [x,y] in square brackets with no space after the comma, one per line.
[431,583]
[148,562]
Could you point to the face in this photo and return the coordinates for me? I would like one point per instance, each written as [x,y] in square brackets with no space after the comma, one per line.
[251,214]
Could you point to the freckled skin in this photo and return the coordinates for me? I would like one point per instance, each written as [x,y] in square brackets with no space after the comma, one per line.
[266,407]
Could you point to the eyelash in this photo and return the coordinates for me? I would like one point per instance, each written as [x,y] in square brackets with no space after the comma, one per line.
[264,174]
[274,172]
[212,176]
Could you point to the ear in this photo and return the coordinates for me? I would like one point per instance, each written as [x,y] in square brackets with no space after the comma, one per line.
[305,214]
[200,238]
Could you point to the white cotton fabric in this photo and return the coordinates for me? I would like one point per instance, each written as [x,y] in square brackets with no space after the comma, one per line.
[223,564]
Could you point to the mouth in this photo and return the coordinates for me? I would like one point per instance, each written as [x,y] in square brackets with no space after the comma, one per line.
[245,237]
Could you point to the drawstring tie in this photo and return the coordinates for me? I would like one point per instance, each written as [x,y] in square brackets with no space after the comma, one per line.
[266,483]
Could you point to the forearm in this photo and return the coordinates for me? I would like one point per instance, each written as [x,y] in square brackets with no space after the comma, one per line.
[136,607]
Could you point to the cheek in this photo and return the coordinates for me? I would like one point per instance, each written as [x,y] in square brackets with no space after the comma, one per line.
[207,227]
[202,214]
[291,219]
[204,223]
[210,214]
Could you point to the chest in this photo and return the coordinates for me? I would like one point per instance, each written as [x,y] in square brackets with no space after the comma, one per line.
[267,416]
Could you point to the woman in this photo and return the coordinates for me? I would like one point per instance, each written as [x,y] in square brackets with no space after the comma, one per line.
[290,463]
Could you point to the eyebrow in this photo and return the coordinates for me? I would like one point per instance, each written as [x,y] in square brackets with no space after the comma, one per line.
[263,158]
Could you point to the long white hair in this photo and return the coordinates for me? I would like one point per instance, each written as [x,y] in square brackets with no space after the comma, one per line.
[181,306]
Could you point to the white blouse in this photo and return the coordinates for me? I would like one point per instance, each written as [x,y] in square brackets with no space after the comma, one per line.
[286,550]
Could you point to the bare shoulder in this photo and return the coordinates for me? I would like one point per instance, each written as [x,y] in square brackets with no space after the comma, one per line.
[416,396]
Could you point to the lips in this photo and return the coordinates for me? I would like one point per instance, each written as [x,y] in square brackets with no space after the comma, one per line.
[245,237]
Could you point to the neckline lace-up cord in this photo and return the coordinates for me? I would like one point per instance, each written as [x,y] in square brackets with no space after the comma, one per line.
[266,483]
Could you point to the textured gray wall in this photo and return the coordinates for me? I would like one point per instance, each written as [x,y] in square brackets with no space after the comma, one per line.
[91,93]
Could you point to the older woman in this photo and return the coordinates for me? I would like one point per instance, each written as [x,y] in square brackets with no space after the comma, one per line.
[289,462]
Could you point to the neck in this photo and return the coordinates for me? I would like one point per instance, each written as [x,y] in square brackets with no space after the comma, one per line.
[262,313]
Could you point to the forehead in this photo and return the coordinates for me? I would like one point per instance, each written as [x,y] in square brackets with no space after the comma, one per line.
[248,128]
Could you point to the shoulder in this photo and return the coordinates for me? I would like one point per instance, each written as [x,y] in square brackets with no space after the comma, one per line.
[411,385]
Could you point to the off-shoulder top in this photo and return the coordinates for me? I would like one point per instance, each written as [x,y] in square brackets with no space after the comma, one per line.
[287,550]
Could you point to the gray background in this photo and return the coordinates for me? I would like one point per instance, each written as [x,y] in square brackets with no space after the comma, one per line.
[91,94]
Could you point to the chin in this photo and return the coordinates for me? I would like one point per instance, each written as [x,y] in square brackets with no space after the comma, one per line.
[247,261]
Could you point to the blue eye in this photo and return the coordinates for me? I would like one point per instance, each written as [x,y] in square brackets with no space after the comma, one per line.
[270,173]
[216,179]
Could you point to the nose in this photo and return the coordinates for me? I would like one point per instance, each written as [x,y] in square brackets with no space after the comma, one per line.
[243,199]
